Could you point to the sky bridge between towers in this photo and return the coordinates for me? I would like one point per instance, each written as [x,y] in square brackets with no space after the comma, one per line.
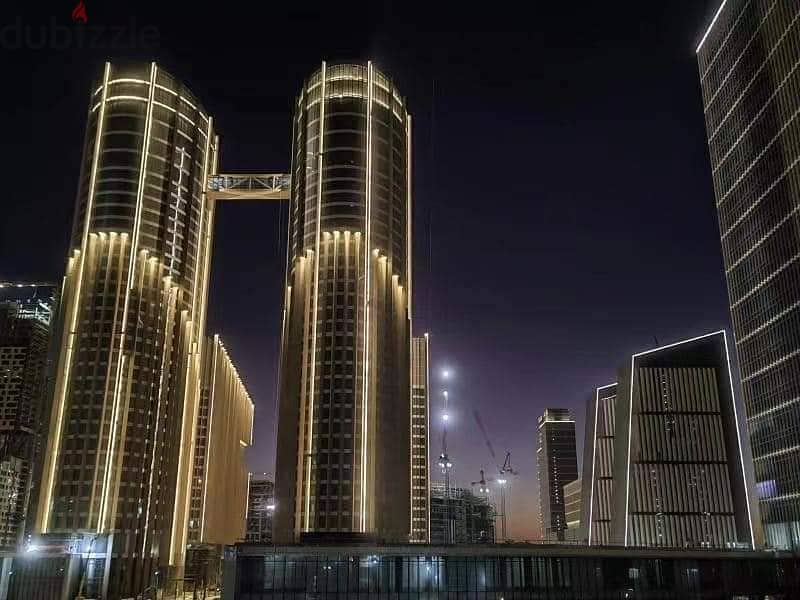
[249,186]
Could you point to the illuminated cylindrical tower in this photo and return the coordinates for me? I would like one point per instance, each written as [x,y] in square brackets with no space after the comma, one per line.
[344,415]
[119,454]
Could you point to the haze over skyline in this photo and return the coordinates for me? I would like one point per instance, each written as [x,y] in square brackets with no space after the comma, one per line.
[564,210]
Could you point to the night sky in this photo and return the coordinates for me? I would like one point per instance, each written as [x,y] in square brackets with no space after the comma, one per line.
[564,211]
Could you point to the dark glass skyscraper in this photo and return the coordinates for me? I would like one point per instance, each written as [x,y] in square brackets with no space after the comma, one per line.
[119,458]
[344,415]
[557,458]
[749,61]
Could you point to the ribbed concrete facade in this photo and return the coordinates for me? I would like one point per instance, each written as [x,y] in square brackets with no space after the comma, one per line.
[420,443]
[224,432]
[678,467]
[119,456]
[749,62]
[344,412]
[598,465]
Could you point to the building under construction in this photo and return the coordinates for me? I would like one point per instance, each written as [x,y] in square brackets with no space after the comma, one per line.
[25,315]
[460,517]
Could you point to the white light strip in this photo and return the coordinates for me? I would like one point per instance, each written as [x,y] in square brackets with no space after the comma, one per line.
[774,409]
[770,322]
[409,245]
[739,441]
[780,452]
[317,235]
[125,97]
[628,461]
[594,454]
[427,435]
[409,300]
[766,280]
[73,320]
[171,292]
[134,250]
[215,346]
[772,365]
[128,80]
[711,26]
[783,497]
[694,339]
[367,268]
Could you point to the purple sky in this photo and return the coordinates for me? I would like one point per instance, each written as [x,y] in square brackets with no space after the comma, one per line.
[564,212]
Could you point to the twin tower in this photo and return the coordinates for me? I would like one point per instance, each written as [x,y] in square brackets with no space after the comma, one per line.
[131,341]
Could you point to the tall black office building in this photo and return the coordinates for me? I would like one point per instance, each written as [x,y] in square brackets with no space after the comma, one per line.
[344,431]
[558,465]
[749,60]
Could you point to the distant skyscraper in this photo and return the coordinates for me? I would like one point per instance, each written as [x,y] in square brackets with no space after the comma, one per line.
[224,432]
[557,459]
[749,63]
[119,458]
[598,465]
[420,426]
[471,516]
[260,508]
[25,318]
[344,413]
[678,468]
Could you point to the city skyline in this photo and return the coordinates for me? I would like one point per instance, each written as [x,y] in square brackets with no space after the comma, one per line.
[441,299]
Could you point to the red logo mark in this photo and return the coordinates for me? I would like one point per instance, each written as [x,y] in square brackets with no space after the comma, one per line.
[79,12]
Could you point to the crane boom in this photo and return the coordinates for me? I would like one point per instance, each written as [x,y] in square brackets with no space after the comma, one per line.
[486,437]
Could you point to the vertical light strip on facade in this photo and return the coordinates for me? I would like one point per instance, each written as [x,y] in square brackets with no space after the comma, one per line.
[367,267]
[67,344]
[409,246]
[171,299]
[427,436]
[410,328]
[739,442]
[134,250]
[194,332]
[210,422]
[628,464]
[594,454]
[320,150]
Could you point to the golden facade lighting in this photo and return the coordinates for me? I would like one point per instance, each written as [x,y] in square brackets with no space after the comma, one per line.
[345,317]
[131,327]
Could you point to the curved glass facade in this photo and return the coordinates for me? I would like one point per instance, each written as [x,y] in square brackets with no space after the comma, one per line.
[344,422]
[119,456]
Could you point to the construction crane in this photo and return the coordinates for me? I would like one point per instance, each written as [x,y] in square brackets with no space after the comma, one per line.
[503,470]
[445,464]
